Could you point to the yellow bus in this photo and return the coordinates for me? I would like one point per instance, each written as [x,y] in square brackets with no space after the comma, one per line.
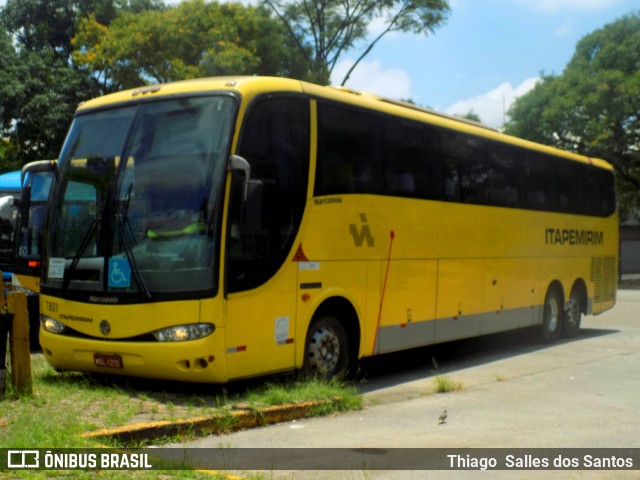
[224,228]
[35,179]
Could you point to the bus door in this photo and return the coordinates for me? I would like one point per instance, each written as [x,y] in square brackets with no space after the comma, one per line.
[267,200]
[260,326]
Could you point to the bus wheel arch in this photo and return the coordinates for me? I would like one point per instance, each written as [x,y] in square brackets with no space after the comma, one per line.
[552,313]
[575,307]
[332,340]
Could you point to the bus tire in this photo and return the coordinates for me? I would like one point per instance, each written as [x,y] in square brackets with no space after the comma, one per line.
[573,316]
[326,352]
[552,316]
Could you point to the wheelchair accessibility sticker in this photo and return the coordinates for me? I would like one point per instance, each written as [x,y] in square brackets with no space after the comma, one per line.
[119,273]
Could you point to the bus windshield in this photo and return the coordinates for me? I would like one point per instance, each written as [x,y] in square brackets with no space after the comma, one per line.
[28,231]
[135,209]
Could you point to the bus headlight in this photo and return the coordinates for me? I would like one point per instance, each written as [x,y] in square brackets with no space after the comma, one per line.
[51,325]
[182,333]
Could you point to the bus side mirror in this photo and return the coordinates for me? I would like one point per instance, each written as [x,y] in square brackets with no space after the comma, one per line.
[239,164]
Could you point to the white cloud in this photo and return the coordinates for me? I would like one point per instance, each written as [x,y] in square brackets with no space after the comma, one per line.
[564,31]
[492,106]
[552,6]
[371,76]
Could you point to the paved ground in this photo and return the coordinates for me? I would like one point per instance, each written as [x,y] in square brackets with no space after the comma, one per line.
[582,393]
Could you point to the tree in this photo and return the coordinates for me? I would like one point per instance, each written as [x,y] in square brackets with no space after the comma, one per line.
[41,24]
[8,62]
[40,102]
[193,39]
[323,30]
[593,108]
[39,85]
[471,115]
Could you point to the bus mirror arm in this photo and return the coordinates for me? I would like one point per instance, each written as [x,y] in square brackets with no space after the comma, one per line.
[39,166]
[237,163]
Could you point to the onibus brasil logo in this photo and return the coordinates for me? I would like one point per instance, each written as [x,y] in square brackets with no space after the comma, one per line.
[54,460]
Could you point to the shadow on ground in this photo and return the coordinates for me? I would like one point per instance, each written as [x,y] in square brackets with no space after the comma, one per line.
[393,369]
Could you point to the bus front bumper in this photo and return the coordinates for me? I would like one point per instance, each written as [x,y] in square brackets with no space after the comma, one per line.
[191,361]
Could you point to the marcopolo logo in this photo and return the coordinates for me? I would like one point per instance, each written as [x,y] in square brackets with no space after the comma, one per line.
[23,459]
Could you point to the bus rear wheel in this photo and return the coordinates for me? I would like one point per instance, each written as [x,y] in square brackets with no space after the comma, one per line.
[552,316]
[326,349]
[573,317]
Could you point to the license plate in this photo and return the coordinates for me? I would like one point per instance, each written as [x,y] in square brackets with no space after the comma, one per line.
[108,360]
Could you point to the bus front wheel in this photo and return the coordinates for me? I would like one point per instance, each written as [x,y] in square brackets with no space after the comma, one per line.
[552,316]
[326,349]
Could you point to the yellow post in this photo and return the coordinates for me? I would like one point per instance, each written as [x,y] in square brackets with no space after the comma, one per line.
[19,343]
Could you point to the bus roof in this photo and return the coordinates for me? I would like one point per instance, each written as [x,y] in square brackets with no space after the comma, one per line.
[10,182]
[250,86]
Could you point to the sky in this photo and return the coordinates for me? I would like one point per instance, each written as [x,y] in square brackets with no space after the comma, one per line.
[488,53]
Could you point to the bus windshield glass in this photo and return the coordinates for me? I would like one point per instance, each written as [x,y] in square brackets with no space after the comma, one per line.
[137,202]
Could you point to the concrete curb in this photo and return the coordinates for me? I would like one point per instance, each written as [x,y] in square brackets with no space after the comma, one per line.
[235,420]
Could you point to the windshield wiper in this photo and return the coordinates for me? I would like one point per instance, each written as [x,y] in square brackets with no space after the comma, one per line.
[128,250]
[83,246]
[127,247]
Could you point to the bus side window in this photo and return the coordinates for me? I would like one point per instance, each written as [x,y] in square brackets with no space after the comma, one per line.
[408,161]
[572,179]
[536,184]
[605,191]
[450,168]
[504,182]
[466,171]
[349,152]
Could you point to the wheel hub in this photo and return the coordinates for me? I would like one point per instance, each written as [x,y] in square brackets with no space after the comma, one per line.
[324,351]
[553,314]
[573,313]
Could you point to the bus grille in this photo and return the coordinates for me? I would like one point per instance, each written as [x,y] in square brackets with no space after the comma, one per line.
[604,274]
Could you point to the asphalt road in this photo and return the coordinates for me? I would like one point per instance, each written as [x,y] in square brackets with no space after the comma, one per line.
[515,393]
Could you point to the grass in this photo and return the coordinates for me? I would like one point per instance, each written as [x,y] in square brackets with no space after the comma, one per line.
[443,384]
[62,407]
[281,393]
[65,405]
